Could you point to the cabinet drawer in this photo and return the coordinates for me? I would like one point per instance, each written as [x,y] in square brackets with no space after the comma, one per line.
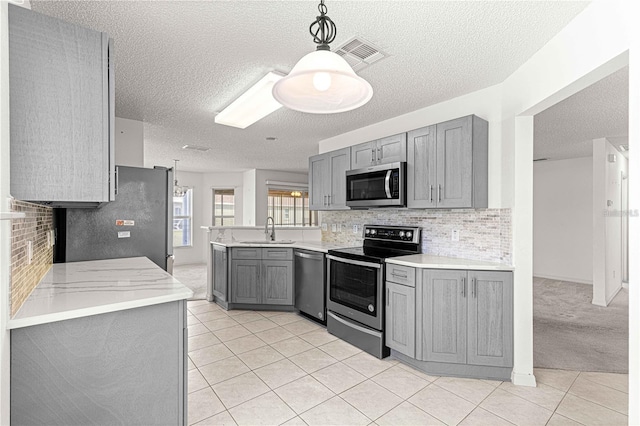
[246,253]
[277,253]
[401,274]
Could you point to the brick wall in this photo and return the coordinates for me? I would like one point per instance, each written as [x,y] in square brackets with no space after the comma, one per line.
[34,227]
[484,234]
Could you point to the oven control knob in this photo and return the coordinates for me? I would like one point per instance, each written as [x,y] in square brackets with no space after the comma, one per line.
[373,232]
[409,234]
[371,308]
[401,234]
[366,231]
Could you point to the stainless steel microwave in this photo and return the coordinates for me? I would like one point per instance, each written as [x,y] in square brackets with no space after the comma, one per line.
[377,186]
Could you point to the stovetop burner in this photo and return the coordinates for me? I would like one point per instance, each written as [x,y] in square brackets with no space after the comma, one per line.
[381,242]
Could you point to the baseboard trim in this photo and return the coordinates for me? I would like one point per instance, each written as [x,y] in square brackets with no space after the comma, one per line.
[625,285]
[614,294]
[559,278]
[520,379]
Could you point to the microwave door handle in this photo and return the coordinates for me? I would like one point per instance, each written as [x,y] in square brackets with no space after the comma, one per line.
[387,188]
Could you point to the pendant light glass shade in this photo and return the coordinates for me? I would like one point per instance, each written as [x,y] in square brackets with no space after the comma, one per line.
[322,82]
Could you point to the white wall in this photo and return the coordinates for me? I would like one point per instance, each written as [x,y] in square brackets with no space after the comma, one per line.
[249,197]
[607,222]
[562,216]
[5,226]
[129,140]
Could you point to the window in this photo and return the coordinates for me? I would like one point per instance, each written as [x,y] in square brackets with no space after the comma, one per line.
[223,207]
[182,218]
[291,207]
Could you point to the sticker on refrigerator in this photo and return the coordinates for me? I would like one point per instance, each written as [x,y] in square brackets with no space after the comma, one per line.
[121,222]
[124,234]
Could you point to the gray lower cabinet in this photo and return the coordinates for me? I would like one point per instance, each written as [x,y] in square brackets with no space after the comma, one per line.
[400,318]
[391,149]
[447,165]
[466,317]
[61,74]
[262,280]
[327,180]
[124,367]
[220,272]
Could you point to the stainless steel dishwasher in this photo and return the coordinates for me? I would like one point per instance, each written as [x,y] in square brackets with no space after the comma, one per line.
[310,287]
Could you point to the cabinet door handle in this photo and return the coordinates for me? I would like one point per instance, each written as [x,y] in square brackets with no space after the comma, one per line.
[464,288]
[475,288]
[387,296]
[373,155]
[328,200]
[324,200]
[439,193]
[379,154]
[431,193]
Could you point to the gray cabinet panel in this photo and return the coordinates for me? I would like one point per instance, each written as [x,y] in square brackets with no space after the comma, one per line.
[421,167]
[444,318]
[318,180]
[245,281]
[400,319]
[392,149]
[454,169]
[327,180]
[59,73]
[220,272]
[363,155]
[277,253]
[490,319]
[339,162]
[246,253]
[124,367]
[277,282]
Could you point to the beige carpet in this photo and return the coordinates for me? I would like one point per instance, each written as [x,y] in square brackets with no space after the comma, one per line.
[194,277]
[570,333]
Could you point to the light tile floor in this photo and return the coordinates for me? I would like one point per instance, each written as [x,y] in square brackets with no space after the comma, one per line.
[251,368]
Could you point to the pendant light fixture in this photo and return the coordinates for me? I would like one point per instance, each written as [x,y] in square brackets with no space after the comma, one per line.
[178,191]
[322,82]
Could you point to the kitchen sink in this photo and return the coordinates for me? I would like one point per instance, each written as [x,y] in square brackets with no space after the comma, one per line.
[268,242]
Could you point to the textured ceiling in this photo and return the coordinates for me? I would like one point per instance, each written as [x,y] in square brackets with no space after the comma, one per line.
[178,62]
[566,130]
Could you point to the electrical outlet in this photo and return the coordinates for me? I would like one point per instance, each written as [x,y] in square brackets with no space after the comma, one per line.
[324,227]
[355,229]
[29,252]
[455,235]
[339,227]
[334,228]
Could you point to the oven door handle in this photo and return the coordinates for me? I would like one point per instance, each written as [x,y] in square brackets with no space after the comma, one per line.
[353,325]
[387,187]
[354,262]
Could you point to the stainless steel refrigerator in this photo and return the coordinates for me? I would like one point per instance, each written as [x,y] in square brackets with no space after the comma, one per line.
[138,223]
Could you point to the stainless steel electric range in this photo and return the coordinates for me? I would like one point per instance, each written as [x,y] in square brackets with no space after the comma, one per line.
[355,285]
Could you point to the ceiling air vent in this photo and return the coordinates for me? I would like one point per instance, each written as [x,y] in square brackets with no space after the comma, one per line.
[196,148]
[359,53]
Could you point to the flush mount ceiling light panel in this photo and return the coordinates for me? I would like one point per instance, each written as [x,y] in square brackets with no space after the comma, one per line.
[253,105]
[322,82]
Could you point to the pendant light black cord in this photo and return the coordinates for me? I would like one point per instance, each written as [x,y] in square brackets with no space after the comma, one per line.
[324,26]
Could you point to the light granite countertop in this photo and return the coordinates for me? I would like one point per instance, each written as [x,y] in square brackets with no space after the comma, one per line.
[80,289]
[440,262]
[320,246]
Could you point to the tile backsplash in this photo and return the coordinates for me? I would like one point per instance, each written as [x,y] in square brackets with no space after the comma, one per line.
[34,227]
[484,234]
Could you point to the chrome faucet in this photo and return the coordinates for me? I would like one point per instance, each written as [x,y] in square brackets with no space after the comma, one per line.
[271,236]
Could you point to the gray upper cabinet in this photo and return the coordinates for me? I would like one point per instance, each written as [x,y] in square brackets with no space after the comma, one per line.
[465,317]
[490,319]
[220,272]
[327,180]
[448,165]
[391,149]
[262,279]
[61,111]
